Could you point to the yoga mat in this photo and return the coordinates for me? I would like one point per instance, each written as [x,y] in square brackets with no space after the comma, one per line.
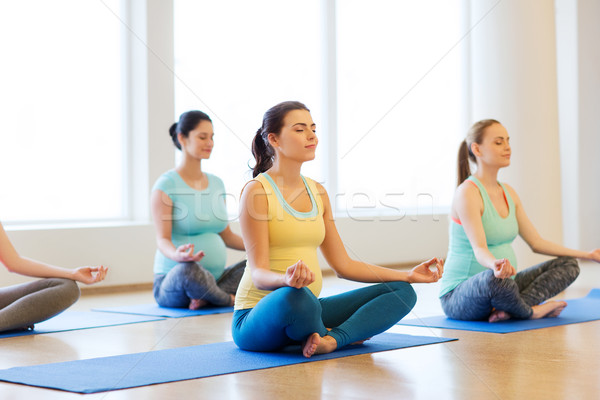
[155,310]
[583,309]
[141,369]
[72,320]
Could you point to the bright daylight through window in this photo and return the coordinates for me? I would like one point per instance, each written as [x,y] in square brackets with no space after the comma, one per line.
[399,92]
[60,119]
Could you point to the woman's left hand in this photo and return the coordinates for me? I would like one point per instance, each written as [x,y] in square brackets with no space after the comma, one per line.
[89,275]
[423,274]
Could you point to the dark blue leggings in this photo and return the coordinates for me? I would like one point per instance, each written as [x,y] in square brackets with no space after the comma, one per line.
[288,315]
[475,298]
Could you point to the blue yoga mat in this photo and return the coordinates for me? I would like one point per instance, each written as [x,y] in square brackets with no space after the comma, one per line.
[154,309]
[72,320]
[141,369]
[578,310]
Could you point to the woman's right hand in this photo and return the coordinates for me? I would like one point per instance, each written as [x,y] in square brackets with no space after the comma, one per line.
[299,275]
[594,255]
[185,253]
[503,269]
[89,275]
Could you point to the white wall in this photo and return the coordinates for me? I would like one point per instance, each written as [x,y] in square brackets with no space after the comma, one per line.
[129,250]
[579,103]
[514,81]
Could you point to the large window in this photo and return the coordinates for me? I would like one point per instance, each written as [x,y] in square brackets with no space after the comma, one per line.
[400,112]
[60,111]
[236,59]
[399,91]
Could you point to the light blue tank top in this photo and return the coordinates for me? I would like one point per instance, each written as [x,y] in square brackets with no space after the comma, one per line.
[198,218]
[500,232]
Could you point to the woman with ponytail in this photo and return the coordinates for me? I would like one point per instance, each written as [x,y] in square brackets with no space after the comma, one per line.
[284,218]
[481,282]
[192,231]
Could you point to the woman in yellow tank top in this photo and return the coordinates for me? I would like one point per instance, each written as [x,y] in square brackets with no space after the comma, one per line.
[284,218]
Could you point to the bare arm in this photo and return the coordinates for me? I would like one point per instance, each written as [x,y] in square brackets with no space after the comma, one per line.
[28,267]
[231,239]
[469,208]
[345,267]
[162,214]
[540,245]
[255,232]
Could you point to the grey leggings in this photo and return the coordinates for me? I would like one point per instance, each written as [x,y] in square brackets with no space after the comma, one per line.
[190,280]
[475,298]
[23,305]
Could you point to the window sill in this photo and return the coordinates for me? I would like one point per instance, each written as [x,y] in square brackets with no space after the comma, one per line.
[61,225]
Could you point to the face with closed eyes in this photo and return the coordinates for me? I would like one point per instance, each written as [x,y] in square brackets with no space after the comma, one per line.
[199,142]
[494,149]
[297,139]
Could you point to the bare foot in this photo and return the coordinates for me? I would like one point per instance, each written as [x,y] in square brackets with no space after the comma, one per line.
[498,315]
[549,309]
[315,344]
[195,304]
[310,346]
[327,345]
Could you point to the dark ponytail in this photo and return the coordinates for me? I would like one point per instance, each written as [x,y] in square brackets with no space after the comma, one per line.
[188,121]
[464,169]
[475,135]
[263,153]
[272,123]
[173,134]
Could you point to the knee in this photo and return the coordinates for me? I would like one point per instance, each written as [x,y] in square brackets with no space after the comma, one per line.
[190,271]
[406,293]
[298,301]
[501,284]
[571,265]
[69,290]
[185,268]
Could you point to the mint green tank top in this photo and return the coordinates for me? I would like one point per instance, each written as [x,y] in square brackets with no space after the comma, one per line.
[500,232]
[198,217]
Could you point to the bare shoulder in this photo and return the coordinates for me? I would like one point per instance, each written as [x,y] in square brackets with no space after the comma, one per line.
[322,193]
[253,200]
[467,191]
[253,187]
[253,195]
[512,193]
[320,189]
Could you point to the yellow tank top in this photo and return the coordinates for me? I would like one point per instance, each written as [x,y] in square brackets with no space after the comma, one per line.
[293,236]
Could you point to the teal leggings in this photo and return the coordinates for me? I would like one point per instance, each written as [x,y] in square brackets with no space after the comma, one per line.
[288,315]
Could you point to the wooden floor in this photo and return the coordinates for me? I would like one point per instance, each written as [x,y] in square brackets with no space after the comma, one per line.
[553,363]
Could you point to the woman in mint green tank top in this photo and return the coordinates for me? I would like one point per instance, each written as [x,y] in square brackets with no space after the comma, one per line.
[192,231]
[480,280]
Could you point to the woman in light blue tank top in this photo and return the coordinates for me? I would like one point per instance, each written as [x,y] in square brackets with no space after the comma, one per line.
[480,280]
[192,231]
